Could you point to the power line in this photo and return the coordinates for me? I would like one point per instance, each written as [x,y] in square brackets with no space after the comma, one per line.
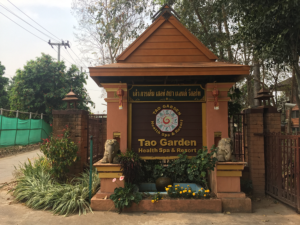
[78,58]
[33,20]
[25,21]
[70,56]
[23,27]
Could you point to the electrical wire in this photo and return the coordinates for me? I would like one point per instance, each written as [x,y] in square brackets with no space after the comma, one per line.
[34,21]
[70,56]
[39,31]
[78,58]
[25,21]
[23,27]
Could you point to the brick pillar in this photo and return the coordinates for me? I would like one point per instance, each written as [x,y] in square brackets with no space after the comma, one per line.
[258,121]
[77,120]
[255,141]
[272,122]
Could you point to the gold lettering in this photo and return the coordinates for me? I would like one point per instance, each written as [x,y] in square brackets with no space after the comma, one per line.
[147,143]
[170,143]
[153,143]
[181,142]
[141,141]
[163,142]
[187,143]
[193,143]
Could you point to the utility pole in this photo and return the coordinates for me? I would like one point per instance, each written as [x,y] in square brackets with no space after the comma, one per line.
[58,47]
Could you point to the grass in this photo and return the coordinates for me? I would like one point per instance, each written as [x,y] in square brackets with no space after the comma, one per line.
[38,190]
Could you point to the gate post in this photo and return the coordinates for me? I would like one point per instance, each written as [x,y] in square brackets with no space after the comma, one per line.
[77,121]
[297,161]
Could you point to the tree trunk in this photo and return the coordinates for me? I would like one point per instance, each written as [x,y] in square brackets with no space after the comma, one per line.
[250,91]
[256,76]
[221,50]
[213,46]
[230,55]
[295,92]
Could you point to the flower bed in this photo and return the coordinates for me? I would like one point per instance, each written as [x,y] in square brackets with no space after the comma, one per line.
[164,205]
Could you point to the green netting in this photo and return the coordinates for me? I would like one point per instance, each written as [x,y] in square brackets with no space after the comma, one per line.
[14,131]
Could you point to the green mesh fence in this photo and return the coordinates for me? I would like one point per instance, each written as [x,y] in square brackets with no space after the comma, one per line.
[15,131]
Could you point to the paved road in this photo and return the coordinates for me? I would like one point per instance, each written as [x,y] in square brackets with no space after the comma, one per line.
[7,164]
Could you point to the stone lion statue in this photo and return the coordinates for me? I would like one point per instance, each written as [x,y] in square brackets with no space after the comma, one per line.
[224,150]
[112,148]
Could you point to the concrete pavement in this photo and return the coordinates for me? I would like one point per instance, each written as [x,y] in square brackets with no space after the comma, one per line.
[265,211]
[7,164]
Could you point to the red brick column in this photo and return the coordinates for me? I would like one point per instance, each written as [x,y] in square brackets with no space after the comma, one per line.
[255,141]
[77,120]
[258,121]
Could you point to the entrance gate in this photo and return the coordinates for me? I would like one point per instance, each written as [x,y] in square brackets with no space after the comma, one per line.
[282,163]
[97,129]
[237,133]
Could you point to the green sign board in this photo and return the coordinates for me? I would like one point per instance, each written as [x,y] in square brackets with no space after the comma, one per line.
[139,93]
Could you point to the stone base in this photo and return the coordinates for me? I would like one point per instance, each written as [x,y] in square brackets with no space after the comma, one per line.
[165,205]
[237,205]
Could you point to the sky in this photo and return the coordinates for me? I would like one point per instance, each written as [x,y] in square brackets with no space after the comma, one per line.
[17,46]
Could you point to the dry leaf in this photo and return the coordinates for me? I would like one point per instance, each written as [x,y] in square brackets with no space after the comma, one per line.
[105,197]
[228,213]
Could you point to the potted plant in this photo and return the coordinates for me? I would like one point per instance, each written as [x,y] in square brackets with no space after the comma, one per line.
[162,179]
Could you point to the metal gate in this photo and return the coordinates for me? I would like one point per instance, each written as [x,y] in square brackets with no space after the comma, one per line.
[97,129]
[237,133]
[282,163]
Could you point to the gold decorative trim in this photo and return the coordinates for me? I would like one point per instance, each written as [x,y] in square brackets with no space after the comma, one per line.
[161,157]
[204,124]
[129,124]
[108,169]
[229,173]
[110,175]
[202,99]
[230,167]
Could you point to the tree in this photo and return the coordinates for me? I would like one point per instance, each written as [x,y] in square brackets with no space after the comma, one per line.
[105,27]
[3,89]
[274,27]
[43,83]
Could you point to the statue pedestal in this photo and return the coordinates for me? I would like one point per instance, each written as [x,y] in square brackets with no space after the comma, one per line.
[107,172]
[228,176]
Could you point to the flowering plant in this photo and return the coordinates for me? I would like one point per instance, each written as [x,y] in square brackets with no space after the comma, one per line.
[124,197]
[156,197]
[180,192]
[61,151]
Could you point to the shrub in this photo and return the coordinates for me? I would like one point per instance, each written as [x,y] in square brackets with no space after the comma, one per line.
[61,152]
[39,190]
[131,167]
[195,169]
[124,197]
